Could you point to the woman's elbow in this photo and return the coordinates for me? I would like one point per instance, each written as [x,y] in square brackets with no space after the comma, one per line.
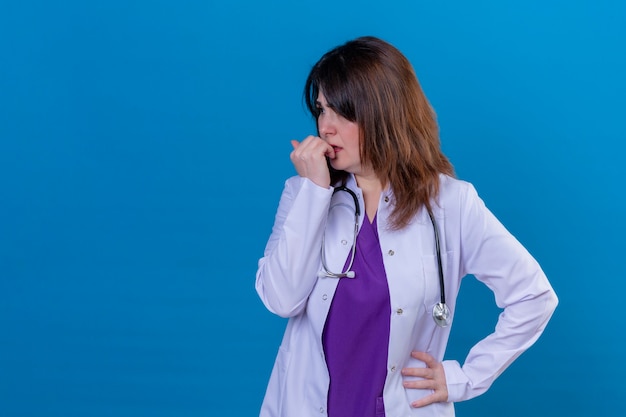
[552,302]
[282,305]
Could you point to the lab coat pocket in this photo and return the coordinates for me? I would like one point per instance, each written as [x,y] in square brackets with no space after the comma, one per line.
[430,275]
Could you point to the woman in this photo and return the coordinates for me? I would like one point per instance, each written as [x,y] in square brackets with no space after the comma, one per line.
[361,339]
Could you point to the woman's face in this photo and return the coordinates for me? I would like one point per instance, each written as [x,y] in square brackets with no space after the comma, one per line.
[342,135]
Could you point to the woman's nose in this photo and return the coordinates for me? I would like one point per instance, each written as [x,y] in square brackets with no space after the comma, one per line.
[325,127]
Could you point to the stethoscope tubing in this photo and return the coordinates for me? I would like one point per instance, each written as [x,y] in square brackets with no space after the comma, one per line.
[357,213]
[438,250]
[440,313]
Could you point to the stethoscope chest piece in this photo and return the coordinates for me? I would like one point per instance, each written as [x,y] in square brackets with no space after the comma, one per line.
[441,315]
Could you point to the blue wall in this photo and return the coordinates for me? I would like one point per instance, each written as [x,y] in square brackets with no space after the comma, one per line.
[143,147]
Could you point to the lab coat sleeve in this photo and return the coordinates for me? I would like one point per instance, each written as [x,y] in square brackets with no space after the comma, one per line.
[521,289]
[288,270]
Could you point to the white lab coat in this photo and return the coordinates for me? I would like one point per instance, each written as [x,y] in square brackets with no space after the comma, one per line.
[473,242]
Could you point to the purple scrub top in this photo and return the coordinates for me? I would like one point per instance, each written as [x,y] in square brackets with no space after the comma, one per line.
[356,333]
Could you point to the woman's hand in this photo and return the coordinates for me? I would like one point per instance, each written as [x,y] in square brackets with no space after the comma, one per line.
[309,158]
[434,378]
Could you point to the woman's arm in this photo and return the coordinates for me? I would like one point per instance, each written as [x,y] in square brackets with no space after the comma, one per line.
[496,258]
[288,270]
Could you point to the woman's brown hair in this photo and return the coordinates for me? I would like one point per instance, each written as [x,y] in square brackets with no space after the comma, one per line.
[370,82]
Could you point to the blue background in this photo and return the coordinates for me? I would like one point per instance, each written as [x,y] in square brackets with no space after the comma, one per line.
[143,149]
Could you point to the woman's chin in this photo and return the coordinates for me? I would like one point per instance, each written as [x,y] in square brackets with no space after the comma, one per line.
[336,166]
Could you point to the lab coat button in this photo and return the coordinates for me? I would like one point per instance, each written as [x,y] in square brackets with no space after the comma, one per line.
[324,297]
[399,312]
[344,242]
[393,368]
[391,252]
[322,410]
[386,199]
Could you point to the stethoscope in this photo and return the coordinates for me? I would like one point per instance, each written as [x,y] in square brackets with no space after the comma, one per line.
[441,312]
